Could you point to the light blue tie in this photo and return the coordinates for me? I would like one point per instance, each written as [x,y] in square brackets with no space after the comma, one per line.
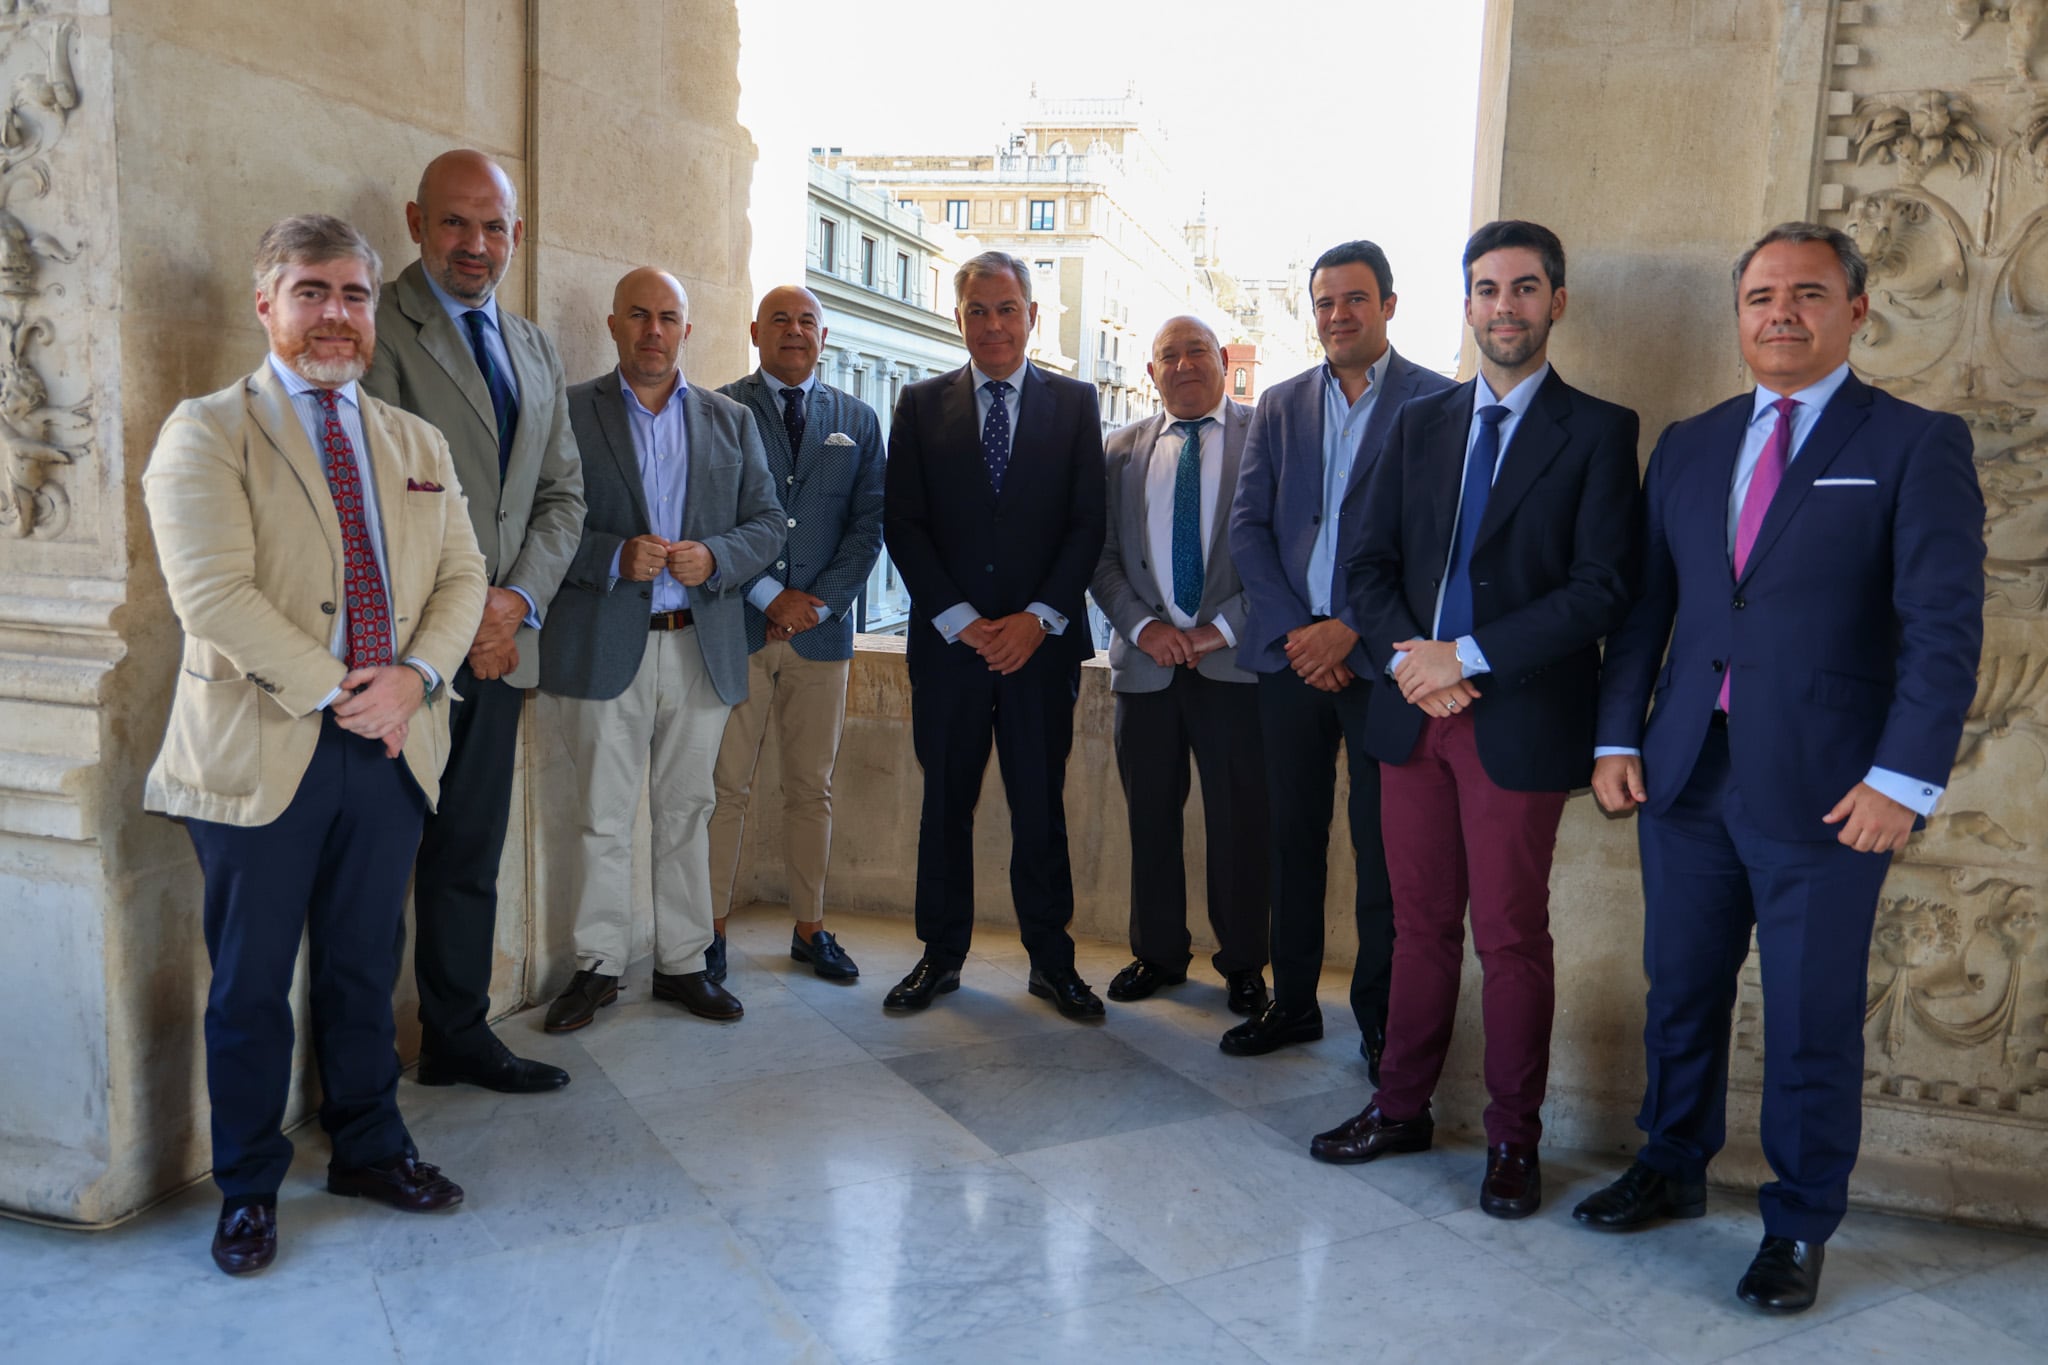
[1187,518]
[1455,619]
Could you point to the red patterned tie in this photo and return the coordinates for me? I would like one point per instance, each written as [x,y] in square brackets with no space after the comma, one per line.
[369,612]
[1763,486]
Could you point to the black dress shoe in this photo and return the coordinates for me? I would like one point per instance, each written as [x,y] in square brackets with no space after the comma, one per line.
[407,1184]
[1140,979]
[699,994]
[714,959]
[1513,1187]
[1272,1028]
[929,978]
[1372,1134]
[1372,1045]
[245,1238]
[1247,991]
[1784,1277]
[823,952]
[1642,1195]
[495,1068]
[577,1005]
[1067,991]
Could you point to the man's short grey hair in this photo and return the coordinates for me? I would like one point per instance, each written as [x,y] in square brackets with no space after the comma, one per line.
[1854,267]
[307,239]
[989,264]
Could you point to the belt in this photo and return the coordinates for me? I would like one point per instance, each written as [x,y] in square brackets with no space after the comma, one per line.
[670,620]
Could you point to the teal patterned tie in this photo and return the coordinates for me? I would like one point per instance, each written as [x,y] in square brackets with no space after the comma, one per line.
[1187,518]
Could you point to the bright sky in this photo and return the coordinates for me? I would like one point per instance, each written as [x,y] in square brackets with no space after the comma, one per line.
[1305,122]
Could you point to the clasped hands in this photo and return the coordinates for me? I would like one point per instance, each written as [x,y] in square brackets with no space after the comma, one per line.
[689,562]
[1005,643]
[1170,646]
[377,703]
[1433,677]
[1871,821]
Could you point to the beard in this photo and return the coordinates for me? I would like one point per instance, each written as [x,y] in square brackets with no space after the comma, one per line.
[332,371]
[466,290]
[1512,348]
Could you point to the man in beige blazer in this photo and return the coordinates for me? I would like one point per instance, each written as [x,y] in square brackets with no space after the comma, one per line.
[317,554]
[492,384]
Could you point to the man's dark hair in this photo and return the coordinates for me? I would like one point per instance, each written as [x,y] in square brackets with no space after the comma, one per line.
[1512,232]
[1360,252]
[1855,270]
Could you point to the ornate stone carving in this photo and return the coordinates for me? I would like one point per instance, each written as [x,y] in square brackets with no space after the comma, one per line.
[2026,17]
[1918,132]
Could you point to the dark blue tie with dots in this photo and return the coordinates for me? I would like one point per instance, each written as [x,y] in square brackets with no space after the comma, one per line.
[995,433]
[1187,518]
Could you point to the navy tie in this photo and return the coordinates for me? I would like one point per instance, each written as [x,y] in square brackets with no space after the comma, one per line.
[504,407]
[1456,618]
[793,418]
[1187,518]
[995,433]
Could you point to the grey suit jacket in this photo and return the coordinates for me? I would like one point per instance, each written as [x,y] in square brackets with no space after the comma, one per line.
[1131,590]
[526,523]
[596,634]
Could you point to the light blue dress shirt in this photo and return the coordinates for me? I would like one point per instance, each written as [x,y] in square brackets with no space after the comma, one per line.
[312,415]
[661,445]
[956,618]
[1911,792]
[768,587]
[1343,428]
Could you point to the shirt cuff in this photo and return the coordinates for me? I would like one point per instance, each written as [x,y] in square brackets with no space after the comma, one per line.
[1910,792]
[614,580]
[824,613]
[532,612]
[1613,750]
[763,592]
[954,619]
[1223,629]
[1394,664]
[329,700]
[1055,624]
[1471,659]
[433,674]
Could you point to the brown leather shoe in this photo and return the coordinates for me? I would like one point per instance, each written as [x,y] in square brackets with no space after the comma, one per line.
[407,1184]
[245,1239]
[1372,1134]
[699,994]
[1513,1187]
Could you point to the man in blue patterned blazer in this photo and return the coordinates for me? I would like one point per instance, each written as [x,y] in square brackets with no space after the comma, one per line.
[825,450]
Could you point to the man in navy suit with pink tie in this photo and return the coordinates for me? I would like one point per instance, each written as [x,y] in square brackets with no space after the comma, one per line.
[1815,562]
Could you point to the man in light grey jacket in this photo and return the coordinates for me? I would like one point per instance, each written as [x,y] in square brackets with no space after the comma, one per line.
[645,651]
[1167,585]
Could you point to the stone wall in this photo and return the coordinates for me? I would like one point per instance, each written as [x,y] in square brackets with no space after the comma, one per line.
[145,146]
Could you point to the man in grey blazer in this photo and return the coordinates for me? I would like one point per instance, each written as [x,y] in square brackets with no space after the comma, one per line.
[1167,584]
[645,652]
[492,383]
[825,453]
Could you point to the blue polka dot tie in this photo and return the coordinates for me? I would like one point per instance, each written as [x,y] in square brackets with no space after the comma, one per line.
[995,433]
[1187,518]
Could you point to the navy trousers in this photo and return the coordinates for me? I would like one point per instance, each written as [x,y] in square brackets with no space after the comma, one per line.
[1710,873]
[332,867]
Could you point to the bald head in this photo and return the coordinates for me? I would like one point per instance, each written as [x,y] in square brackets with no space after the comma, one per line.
[789,330]
[1187,368]
[466,222]
[649,321]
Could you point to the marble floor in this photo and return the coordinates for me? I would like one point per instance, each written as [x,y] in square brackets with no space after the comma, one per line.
[982,1183]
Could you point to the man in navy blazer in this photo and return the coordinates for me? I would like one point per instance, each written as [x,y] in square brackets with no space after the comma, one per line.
[825,452]
[1299,507]
[1501,543]
[994,515]
[1814,560]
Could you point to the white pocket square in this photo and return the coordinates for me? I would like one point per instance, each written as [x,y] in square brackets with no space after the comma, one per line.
[838,438]
[1845,483]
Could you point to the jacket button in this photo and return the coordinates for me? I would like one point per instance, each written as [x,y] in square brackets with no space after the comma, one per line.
[1740,604]
[1719,666]
[647,592]
[327,607]
[504,516]
[781,564]
[790,479]
[792,521]
[988,568]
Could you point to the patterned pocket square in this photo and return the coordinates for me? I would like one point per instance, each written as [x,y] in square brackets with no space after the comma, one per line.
[838,438]
[423,486]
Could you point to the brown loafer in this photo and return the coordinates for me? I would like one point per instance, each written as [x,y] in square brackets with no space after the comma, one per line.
[699,994]
[407,1184]
[1513,1187]
[245,1238]
[1372,1134]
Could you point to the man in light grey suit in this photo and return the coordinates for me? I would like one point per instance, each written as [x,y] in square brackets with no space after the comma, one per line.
[645,653]
[492,383]
[1167,584]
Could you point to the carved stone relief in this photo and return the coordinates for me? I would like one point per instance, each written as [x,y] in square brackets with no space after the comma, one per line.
[38,440]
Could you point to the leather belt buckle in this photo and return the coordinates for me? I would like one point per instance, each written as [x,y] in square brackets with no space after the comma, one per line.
[670,620]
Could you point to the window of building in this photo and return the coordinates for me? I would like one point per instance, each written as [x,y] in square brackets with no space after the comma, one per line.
[933,301]
[828,246]
[956,214]
[1237,384]
[1044,265]
[867,261]
[902,276]
[1043,219]
[906,203]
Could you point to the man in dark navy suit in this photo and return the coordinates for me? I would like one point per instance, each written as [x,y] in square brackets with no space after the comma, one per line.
[994,515]
[1814,560]
[1299,507]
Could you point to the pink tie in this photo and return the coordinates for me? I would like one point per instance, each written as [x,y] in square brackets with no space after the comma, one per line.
[1763,486]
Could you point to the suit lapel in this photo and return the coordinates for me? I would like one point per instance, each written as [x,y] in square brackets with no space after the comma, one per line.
[1034,415]
[618,439]
[529,370]
[1236,421]
[440,339]
[390,475]
[1444,436]
[272,409]
[819,412]
[960,428]
[1539,437]
[1397,385]
[1845,413]
[696,485]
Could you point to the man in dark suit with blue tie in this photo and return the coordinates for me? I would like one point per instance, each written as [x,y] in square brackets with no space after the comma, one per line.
[1500,544]
[1815,564]
[1299,506]
[994,515]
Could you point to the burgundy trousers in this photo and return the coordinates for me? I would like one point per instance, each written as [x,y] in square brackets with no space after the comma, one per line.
[1452,834]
